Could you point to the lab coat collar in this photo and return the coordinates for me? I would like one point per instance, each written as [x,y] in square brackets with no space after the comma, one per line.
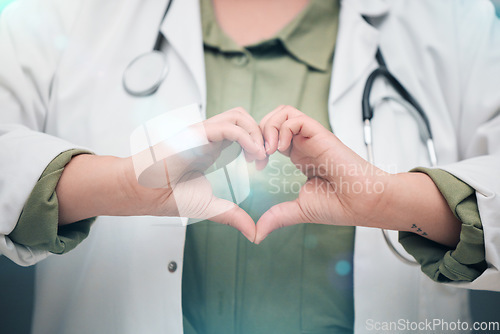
[357,43]
[182,29]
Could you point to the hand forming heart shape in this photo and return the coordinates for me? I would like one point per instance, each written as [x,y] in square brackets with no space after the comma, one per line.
[341,189]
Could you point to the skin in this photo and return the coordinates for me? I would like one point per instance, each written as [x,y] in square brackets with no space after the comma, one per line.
[344,189]
[112,189]
[248,22]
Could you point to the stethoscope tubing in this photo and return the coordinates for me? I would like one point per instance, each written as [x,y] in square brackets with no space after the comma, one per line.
[367,116]
[162,70]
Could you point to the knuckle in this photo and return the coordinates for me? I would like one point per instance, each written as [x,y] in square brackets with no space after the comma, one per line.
[293,110]
[302,117]
[239,111]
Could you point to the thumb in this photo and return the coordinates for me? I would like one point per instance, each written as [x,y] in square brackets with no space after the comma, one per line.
[278,216]
[234,216]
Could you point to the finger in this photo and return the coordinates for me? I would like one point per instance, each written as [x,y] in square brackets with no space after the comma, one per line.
[240,117]
[289,129]
[288,151]
[302,125]
[217,132]
[261,164]
[264,126]
[251,126]
[235,217]
[264,120]
[278,216]
[249,157]
[271,127]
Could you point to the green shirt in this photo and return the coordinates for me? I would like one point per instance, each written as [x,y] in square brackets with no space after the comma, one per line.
[300,278]
[38,224]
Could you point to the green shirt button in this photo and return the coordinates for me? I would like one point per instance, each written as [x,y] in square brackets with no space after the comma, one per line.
[241,60]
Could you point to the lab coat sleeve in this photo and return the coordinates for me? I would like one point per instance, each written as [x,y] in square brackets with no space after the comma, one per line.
[478,124]
[32,35]
[38,227]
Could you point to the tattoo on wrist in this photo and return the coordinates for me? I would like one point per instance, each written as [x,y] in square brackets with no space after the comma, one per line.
[418,230]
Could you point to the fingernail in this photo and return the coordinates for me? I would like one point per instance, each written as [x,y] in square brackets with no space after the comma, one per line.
[263,152]
[248,237]
[279,145]
[267,147]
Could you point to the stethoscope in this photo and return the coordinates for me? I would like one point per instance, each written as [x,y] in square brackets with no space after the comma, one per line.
[411,105]
[145,73]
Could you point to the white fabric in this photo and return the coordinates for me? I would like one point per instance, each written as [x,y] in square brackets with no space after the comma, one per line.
[61,66]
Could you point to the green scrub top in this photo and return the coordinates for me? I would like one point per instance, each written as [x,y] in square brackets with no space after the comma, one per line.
[300,278]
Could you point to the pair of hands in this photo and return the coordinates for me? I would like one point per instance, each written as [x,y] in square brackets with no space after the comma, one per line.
[341,189]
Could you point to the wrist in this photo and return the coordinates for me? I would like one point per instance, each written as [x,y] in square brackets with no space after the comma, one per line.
[137,199]
[378,199]
[368,192]
[93,185]
[413,203]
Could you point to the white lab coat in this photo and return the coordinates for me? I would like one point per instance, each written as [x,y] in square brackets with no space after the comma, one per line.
[61,65]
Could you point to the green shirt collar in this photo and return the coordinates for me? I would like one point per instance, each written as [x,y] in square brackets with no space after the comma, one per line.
[310,37]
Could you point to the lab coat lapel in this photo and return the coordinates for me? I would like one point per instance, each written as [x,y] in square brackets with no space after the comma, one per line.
[182,29]
[357,44]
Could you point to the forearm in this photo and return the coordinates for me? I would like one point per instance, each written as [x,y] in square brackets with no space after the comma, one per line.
[93,185]
[413,203]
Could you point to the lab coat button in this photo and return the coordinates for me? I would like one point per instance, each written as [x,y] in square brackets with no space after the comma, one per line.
[172,266]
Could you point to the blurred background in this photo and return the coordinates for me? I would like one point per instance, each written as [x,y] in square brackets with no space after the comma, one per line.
[16,285]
